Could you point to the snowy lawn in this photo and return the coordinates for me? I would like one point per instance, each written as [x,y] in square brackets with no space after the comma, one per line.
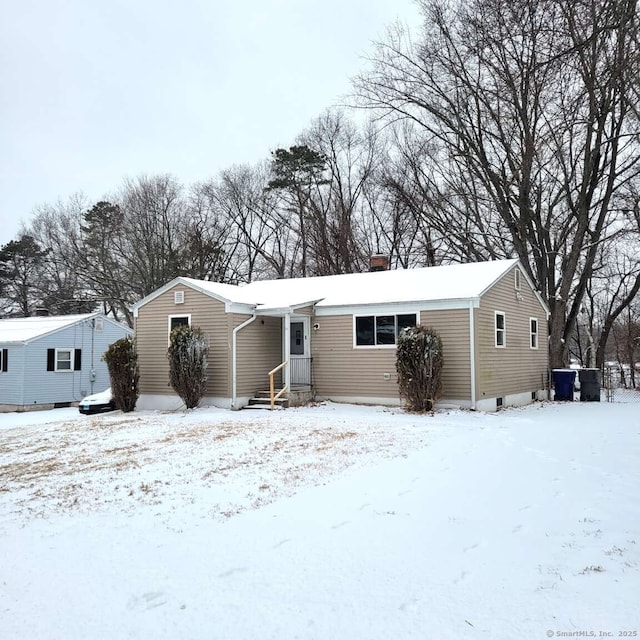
[324,522]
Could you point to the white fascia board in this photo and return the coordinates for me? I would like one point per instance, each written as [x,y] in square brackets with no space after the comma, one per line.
[274,311]
[239,307]
[397,307]
[181,281]
[154,294]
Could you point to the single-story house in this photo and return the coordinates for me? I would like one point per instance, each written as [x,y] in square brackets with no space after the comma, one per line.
[336,335]
[53,361]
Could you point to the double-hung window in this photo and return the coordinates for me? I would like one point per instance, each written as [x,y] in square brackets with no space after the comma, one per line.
[381,330]
[500,329]
[64,359]
[533,333]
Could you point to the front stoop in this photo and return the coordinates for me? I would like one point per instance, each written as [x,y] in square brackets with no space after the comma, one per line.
[262,400]
[297,397]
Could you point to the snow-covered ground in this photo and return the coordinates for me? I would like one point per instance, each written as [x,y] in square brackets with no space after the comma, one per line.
[324,522]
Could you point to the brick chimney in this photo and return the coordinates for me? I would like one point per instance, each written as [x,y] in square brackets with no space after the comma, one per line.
[379,263]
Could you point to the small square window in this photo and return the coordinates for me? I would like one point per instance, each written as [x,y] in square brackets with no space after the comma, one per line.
[177,321]
[64,360]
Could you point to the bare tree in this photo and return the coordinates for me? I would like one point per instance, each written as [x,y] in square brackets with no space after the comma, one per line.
[532,103]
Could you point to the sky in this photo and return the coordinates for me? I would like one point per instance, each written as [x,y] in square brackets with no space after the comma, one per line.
[93,92]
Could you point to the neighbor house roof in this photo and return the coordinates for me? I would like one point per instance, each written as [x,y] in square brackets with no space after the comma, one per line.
[20,330]
[427,284]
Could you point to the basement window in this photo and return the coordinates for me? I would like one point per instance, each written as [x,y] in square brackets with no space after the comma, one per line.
[381,330]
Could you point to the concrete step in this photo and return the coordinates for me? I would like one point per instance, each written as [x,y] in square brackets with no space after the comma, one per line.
[260,402]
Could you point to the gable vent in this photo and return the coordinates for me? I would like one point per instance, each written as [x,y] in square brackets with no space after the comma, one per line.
[178,297]
[98,324]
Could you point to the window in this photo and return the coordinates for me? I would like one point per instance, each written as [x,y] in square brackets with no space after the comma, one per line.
[4,360]
[516,279]
[64,359]
[533,332]
[382,330]
[177,321]
[500,329]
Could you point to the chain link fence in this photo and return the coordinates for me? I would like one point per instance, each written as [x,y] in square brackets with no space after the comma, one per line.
[619,386]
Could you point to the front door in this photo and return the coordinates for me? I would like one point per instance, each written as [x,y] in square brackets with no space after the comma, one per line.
[300,352]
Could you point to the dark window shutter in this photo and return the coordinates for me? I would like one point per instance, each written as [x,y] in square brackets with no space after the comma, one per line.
[5,356]
[77,360]
[51,359]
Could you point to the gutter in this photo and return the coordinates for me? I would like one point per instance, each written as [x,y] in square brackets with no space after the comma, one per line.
[472,354]
[234,343]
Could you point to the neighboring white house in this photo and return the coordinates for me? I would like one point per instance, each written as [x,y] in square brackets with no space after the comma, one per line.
[50,361]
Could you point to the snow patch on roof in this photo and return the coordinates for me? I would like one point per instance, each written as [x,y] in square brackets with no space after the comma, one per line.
[450,282]
[24,329]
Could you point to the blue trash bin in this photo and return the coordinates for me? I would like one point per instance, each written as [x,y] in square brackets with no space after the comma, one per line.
[563,380]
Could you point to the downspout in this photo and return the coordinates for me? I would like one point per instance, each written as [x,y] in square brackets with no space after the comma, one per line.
[234,341]
[472,354]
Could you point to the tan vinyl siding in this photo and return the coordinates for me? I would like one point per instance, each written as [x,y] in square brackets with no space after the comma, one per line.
[516,368]
[339,369]
[259,349]
[152,340]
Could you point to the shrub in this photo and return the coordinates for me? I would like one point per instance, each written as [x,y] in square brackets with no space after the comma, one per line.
[187,355]
[419,367]
[122,361]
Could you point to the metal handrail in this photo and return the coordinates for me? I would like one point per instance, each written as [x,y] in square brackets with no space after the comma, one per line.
[274,396]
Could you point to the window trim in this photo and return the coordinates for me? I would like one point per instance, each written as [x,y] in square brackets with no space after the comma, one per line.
[395,314]
[72,358]
[532,333]
[503,330]
[4,360]
[176,315]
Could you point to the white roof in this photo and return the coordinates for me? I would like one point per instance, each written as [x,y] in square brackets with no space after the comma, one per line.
[428,284]
[450,282]
[16,330]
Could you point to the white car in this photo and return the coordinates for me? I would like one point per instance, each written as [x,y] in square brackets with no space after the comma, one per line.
[97,402]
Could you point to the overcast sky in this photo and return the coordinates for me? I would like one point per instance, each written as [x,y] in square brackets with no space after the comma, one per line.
[94,91]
